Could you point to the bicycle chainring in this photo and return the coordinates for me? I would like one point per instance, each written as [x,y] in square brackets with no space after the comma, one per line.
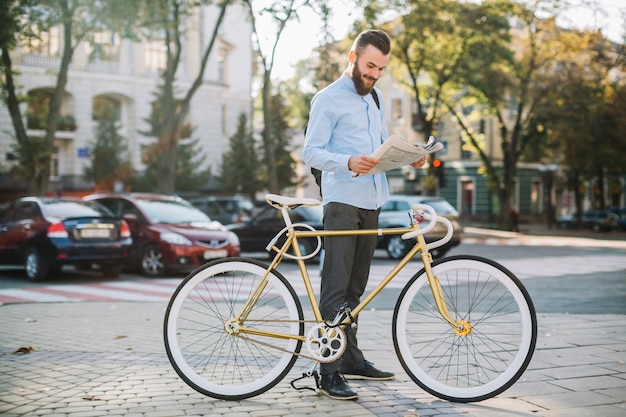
[326,344]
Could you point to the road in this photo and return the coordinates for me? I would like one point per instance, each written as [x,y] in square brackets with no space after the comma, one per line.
[562,274]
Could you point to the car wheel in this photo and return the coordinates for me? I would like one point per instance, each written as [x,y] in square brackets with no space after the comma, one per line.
[396,247]
[111,270]
[36,268]
[152,262]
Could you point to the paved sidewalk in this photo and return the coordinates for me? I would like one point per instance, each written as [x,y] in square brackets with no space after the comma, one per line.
[104,358]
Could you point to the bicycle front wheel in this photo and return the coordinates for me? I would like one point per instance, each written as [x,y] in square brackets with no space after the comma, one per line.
[465,366]
[204,343]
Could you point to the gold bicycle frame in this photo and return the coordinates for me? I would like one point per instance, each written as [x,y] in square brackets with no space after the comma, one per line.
[460,327]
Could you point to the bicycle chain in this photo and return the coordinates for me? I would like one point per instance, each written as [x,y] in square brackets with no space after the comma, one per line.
[301,355]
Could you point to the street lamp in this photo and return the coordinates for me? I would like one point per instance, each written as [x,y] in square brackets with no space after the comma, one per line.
[547,173]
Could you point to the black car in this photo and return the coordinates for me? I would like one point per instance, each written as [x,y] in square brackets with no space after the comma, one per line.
[596,220]
[225,209]
[43,234]
[267,221]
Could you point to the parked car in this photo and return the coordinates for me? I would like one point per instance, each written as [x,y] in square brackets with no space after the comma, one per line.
[621,217]
[169,234]
[394,213]
[226,210]
[267,221]
[44,234]
[596,220]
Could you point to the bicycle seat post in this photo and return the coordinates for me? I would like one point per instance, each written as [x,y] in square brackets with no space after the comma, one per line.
[285,213]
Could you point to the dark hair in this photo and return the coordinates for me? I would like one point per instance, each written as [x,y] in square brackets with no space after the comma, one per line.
[377,38]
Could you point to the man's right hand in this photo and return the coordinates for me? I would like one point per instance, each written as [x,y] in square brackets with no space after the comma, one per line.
[362,164]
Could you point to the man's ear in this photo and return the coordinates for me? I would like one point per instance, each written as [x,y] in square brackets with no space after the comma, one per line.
[352,57]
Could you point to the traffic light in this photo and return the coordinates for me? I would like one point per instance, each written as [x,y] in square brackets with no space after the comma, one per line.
[438,171]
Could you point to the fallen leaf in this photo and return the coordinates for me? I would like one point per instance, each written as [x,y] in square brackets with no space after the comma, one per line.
[91,398]
[25,350]
[121,337]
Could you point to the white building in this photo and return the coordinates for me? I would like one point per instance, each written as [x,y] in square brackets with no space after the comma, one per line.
[123,76]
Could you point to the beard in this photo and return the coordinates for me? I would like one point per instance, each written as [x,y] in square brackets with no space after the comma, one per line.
[359,80]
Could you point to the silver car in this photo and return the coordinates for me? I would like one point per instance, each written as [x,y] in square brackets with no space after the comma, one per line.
[394,213]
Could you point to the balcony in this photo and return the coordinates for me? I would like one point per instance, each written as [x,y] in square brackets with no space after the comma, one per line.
[37,126]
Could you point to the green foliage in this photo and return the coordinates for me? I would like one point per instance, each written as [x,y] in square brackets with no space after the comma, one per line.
[109,163]
[189,174]
[33,157]
[285,164]
[186,156]
[241,167]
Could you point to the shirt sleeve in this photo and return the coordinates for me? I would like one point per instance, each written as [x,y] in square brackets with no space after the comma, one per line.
[319,132]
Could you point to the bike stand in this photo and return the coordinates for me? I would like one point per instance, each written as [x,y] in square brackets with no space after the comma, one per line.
[312,372]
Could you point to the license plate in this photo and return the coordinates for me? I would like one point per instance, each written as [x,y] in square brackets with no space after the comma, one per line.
[212,254]
[95,233]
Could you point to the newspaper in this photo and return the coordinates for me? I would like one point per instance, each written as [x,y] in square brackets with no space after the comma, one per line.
[397,152]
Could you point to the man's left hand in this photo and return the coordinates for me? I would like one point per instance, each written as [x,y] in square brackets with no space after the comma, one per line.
[420,163]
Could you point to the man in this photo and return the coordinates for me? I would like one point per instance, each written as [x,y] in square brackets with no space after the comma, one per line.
[345,126]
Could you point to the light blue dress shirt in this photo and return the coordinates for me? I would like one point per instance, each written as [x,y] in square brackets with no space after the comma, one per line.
[343,123]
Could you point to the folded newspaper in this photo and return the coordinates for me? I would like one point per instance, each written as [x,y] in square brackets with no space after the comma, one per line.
[397,152]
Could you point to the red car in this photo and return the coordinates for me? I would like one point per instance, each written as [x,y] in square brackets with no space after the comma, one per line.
[169,234]
[43,234]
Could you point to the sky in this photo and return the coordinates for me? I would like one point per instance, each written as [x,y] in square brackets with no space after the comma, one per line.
[299,39]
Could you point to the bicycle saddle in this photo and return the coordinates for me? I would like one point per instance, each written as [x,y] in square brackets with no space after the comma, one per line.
[280,201]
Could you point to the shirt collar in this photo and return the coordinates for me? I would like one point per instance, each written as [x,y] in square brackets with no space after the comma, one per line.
[347,82]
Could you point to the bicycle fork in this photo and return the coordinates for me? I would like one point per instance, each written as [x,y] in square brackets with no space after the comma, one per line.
[460,327]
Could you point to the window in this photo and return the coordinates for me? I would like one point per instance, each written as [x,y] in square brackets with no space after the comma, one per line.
[156,54]
[47,43]
[106,108]
[105,47]
[37,113]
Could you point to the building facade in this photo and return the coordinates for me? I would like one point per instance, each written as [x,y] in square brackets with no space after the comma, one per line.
[122,76]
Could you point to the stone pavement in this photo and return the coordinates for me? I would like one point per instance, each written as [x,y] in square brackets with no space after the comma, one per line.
[107,358]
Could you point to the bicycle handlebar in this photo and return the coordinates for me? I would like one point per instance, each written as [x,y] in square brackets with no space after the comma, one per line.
[433,218]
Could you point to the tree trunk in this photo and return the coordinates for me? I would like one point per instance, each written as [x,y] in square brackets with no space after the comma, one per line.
[43,179]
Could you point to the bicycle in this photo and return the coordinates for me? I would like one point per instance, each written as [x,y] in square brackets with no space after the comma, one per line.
[464,327]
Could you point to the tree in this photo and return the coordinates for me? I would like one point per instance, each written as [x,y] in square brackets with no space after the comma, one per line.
[435,41]
[279,12]
[24,20]
[506,89]
[241,168]
[186,155]
[285,163]
[167,17]
[109,162]
[583,115]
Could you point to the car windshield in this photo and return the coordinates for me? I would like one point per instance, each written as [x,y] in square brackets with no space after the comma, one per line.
[173,212]
[64,209]
[442,207]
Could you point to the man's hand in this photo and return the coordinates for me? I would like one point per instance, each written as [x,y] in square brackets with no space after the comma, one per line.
[362,164]
[420,163]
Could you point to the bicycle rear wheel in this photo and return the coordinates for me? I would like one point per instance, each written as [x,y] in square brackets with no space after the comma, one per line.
[222,364]
[478,365]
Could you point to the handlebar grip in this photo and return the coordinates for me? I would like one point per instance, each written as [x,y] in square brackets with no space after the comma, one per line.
[431,216]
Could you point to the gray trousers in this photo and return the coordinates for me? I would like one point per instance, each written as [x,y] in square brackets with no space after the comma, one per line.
[346,269]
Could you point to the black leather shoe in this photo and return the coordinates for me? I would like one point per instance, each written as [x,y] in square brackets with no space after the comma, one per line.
[366,370]
[335,386]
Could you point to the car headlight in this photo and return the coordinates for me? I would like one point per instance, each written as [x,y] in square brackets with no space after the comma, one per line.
[175,239]
[234,239]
